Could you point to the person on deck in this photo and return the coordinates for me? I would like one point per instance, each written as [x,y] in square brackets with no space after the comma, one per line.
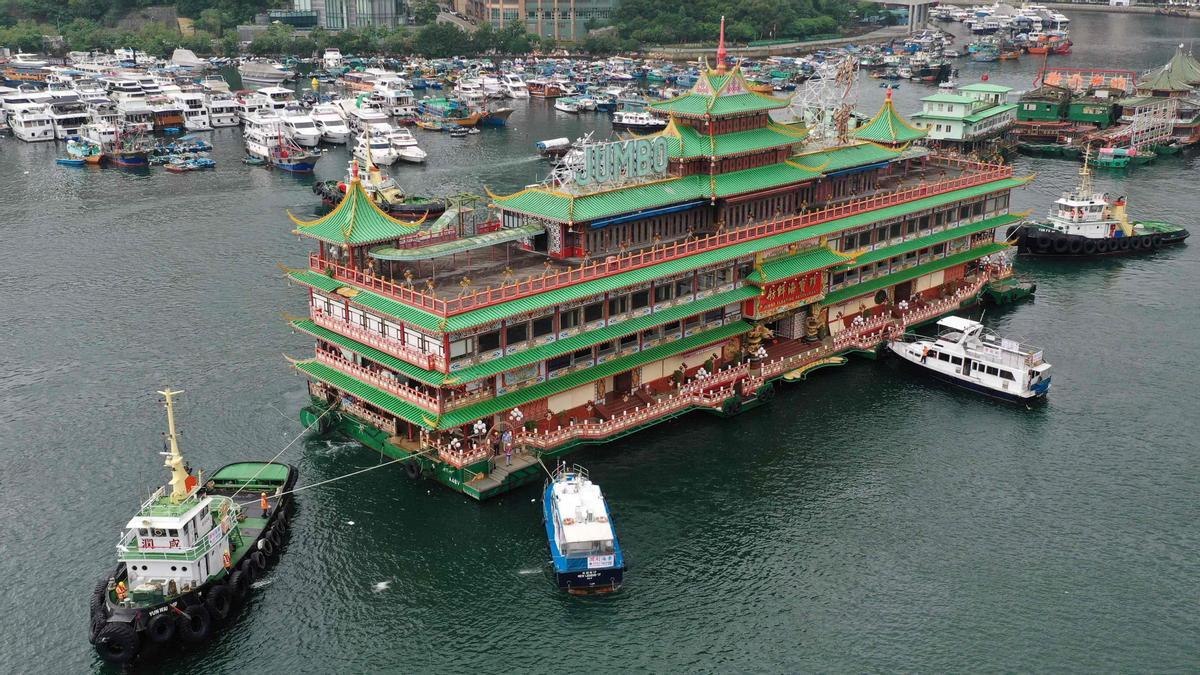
[266,506]
[507,439]
[924,354]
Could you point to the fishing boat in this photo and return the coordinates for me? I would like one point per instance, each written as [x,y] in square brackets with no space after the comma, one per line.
[383,190]
[496,117]
[187,558]
[264,138]
[579,527]
[966,355]
[129,150]
[1089,223]
[566,104]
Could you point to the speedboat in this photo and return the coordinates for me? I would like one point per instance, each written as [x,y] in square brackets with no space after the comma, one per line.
[330,122]
[514,86]
[967,355]
[374,147]
[406,145]
[583,544]
[301,128]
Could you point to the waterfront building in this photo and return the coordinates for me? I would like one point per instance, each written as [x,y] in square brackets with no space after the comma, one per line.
[977,113]
[565,20]
[690,269]
[343,14]
[1174,87]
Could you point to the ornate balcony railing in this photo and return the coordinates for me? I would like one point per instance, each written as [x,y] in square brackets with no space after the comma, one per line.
[388,384]
[384,344]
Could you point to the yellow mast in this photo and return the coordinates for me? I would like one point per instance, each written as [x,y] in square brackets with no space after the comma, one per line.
[174,461]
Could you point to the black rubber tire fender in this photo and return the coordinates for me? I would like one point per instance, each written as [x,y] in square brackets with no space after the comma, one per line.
[1074,246]
[265,547]
[259,560]
[1155,240]
[99,620]
[731,405]
[1089,247]
[248,569]
[766,392]
[280,525]
[218,601]
[1102,245]
[1061,244]
[1123,243]
[412,469]
[117,643]
[196,626]
[1043,242]
[161,628]
[239,584]
[275,537]
[98,595]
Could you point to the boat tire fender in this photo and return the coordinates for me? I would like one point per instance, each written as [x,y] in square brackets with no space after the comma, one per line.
[1061,244]
[412,469]
[196,626]
[1074,246]
[275,537]
[98,594]
[1042,242]
[1102,245]
[1123,243]
[266,547]
[1143,243]
[731,405]
[218,603]
[1155,241]
[117,642]
[766,392]
[1090,247]
[259,560]
[248,570]
[239,584]
[161,628]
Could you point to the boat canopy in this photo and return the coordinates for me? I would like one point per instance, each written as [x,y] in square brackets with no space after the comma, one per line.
[958,323]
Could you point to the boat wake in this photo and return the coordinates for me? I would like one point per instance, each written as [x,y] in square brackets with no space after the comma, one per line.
[381,586]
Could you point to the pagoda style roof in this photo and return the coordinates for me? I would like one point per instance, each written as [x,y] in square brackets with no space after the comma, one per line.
[888,127]
[794,264]
[1185,66]
[716,94]
[1181,73]
[846,157]
[685,142]
[356,220]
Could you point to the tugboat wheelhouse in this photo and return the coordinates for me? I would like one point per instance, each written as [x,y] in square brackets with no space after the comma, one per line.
[581,313]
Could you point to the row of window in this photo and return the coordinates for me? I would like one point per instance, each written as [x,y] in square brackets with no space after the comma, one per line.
[887,233]
[671,331]
[975,365]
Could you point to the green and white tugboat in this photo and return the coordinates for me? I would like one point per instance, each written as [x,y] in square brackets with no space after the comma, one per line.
[188,557]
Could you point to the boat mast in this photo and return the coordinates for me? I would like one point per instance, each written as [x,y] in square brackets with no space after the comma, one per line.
[174,461]
[1085,175]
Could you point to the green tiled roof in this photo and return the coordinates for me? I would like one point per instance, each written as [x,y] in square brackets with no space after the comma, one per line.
[594,337]
[760,178]
[566,208]
[394,308]
[692,104]
[947,98]
[687,142]
[990,112]
[355,220]
[888,127]
[430,377]
[836,159]
[929,240]
[843,294]
[375,396]
[802,262]
[468,414]
[986,88]
[603,285]
[1164,79]
[459,245]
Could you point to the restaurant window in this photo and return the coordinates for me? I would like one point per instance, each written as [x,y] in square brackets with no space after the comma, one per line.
[629,341]
[517,333]
[923,223]
[569,318]
[662,293]
[715,315]
[724,276]
[671,329]
[652,334]
[641,299]
[896,230]
[543,326]
[939,250]
[706,281]
[864,239]
[838,278]
[683,287]
[489,341]
[618,305]
[558,362]
[583,356]
[910,227]
[462,347]
[605,348]
[691,322]
[593,312]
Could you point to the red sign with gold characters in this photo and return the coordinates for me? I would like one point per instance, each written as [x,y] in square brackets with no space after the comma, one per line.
[789,293]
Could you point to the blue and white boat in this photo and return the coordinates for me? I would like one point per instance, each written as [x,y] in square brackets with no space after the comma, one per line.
[967,355]
[579,527]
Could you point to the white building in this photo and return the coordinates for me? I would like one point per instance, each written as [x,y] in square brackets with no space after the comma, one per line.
[977,112]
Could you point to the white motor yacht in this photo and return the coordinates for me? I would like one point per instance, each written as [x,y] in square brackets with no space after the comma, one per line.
[375,147]
[300,127]
[223,109]
[195,112]
[406,144]
[514,86]
[31,122]
[329,121]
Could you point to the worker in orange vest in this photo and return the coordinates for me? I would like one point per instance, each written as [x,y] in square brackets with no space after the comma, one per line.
[266,507]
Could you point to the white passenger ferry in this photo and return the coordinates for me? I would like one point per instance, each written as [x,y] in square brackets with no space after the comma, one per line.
[967,355]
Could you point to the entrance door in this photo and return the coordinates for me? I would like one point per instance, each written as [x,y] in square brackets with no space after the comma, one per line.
[966,371]
[903,291]
[623,382]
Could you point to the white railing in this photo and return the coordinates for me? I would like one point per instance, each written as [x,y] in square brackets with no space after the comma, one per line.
[388,384]
[384,344]
[378,421]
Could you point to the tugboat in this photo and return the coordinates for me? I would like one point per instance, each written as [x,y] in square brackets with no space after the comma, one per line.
[1088,223]
[190,554]
[587,556]
[966,355]
[384,191]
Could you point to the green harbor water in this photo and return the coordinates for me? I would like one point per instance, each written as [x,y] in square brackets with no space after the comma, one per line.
[865,521]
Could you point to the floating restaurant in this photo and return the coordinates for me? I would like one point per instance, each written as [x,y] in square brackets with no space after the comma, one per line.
[696,268]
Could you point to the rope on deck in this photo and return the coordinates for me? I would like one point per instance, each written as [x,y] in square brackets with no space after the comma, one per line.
[337,478]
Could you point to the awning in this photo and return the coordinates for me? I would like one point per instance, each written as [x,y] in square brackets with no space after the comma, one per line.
[454,246]
[638,215]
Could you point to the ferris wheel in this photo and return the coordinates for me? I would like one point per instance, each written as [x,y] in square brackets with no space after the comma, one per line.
[826,99]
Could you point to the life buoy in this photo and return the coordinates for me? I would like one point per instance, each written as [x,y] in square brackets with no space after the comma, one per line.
[117,643]
[161,628]
[412,469]
[218,601]
[1074,246]
[1061,244]
[1089,247]
[194,625]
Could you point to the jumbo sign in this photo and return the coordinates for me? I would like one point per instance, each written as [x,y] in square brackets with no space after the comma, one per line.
[621,161]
